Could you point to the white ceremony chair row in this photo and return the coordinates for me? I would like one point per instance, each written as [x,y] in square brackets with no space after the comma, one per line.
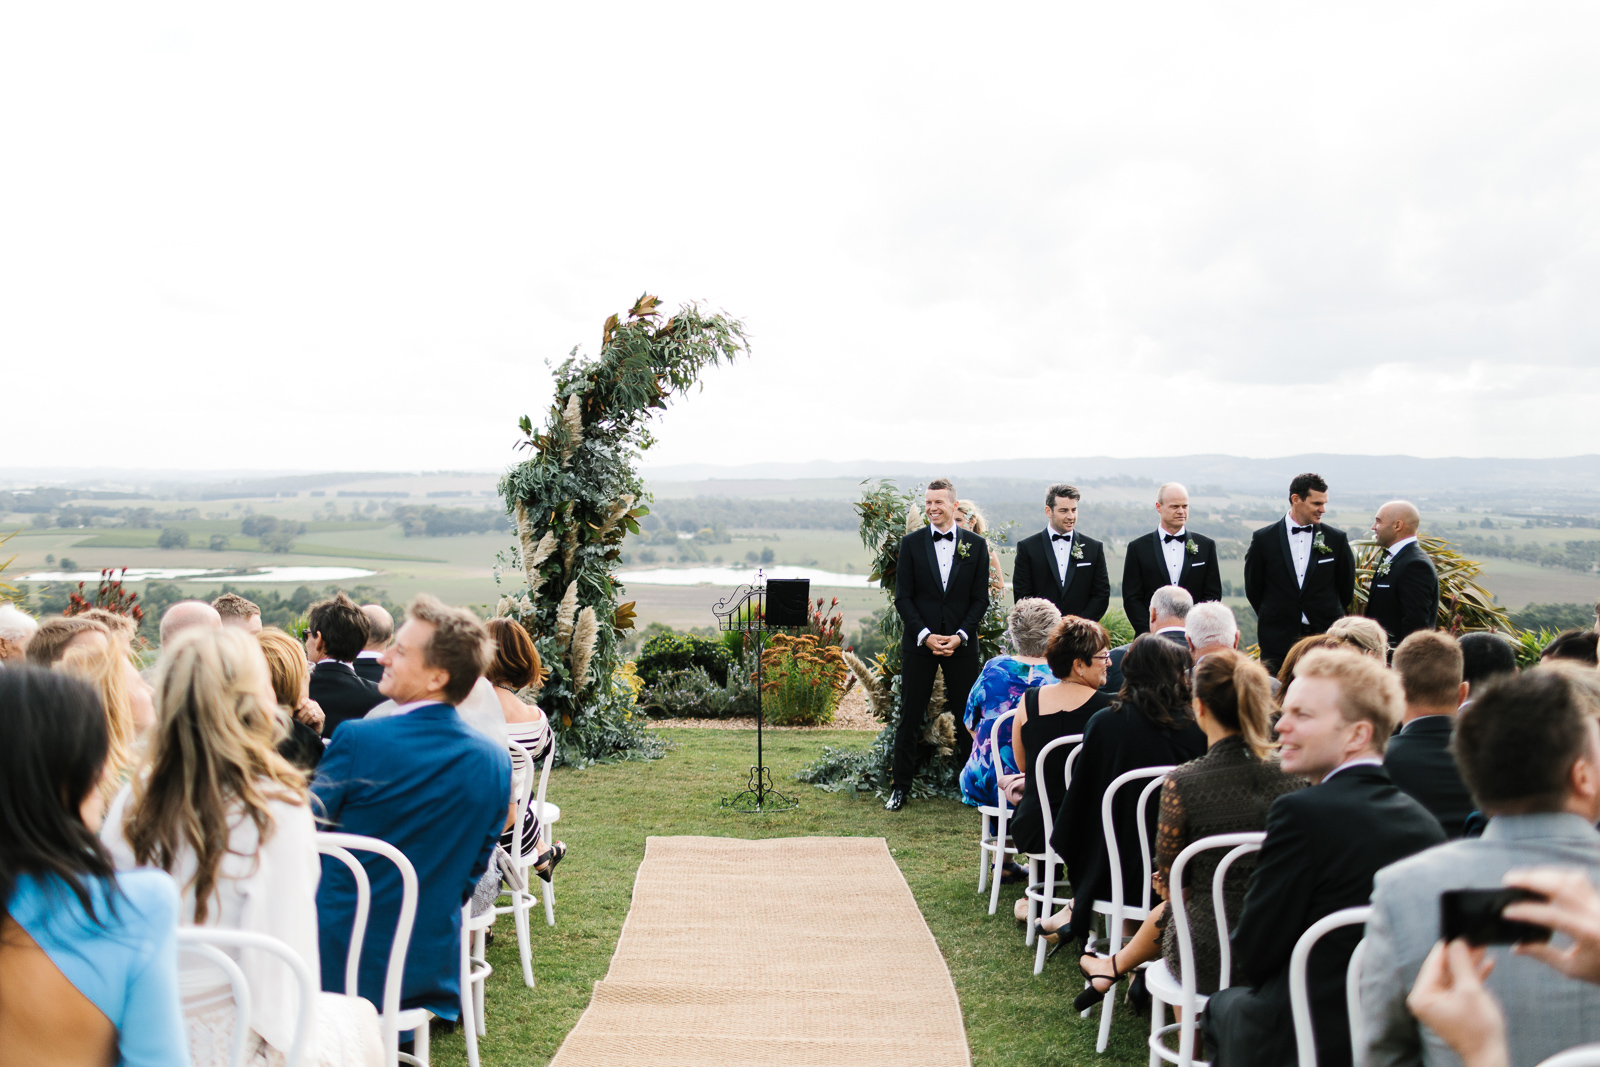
[1116,910]
[206,941]
[1164,989]
[1300,997]
[992,833]
[1041,891]
[1577,1056]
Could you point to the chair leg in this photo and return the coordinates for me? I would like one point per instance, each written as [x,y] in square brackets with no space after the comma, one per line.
[481,986]
[468,998]
[419,1047]
[1049,902]
[521,904]
[983,852]
[1158,1019]
[1113,943]
[999,863]
[549,903]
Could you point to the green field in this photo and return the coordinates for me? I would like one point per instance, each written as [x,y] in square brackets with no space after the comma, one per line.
[1013,1019]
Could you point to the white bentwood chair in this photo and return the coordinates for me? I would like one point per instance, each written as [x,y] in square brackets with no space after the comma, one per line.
[1041,891]
[992,847]
[516,883]
[475,972]
[208,941]
[1164,989]
[391,1020]
[1299,995]
[1116,910]
[1577,1056]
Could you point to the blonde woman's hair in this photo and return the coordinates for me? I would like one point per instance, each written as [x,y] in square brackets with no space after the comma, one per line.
[103,666]
[212,753]
[1363,635]
[980,525]
[1237,691]
[286,664]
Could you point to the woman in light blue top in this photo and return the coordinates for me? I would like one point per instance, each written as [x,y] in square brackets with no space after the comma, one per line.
[88,958]
[998,689]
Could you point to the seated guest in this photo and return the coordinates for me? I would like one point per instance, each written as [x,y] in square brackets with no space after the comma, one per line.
[58,633]
[16,630]
[88,958]
[1362,634]
[1529,749]
[1296,653]
[1418,757]
[1150,724]
[217,808]
[238,612]
[1323,846]
[1226,791]
[124,697]
[336,630]
[1077,657]
[427,783]
[380,631]
[516,666]
[1000,685]
[185,614]
[1485,657]
[1210,628]
[291,688]
[1169,616]
[1576,645]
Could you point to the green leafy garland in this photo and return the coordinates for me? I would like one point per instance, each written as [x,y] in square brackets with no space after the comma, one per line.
[578,495]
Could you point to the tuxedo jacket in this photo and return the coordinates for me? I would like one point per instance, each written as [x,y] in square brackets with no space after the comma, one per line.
[1144,570]
[923,603]
[341,694]
[1322,849]
[1088,589]
[436,789]
[1279,600]
[1407,598]
[1418,760]
[368,669]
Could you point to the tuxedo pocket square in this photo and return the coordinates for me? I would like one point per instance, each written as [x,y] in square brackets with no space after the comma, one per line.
[1086,564]
[1320,562]
[1197,564]
[1385,585]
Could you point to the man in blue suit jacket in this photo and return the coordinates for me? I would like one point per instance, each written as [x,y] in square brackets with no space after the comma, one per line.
[427,783]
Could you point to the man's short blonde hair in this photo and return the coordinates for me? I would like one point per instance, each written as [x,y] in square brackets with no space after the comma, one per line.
[1368,691]
[234,606]
[460,644]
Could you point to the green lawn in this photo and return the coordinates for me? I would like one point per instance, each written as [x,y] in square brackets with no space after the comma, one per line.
[1012,1018]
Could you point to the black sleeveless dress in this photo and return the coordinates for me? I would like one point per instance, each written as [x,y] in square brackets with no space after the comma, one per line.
[1027,822]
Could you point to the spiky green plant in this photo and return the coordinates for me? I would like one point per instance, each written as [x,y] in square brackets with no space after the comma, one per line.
[583,463]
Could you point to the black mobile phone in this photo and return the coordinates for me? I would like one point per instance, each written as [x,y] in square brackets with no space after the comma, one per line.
[1475,915]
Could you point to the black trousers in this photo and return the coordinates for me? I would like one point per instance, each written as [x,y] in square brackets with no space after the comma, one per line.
[918,670]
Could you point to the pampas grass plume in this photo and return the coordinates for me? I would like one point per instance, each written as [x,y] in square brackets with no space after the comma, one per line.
[583,639]
[564,615]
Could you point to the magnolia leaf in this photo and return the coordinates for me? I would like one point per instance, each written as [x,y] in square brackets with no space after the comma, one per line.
[624,617]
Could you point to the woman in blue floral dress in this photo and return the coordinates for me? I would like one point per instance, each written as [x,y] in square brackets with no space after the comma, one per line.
[999,688]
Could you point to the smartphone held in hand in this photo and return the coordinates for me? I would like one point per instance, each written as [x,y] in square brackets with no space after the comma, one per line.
[1475,914]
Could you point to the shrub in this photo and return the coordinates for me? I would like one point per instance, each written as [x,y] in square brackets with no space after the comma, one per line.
[686,694]
[172,537]
[678,652]
[802,680]
[219,542]
[1118,628]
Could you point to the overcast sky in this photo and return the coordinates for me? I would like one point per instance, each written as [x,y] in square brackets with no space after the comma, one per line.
[347,236]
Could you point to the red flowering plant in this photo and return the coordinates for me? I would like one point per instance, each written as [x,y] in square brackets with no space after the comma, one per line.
[111,596]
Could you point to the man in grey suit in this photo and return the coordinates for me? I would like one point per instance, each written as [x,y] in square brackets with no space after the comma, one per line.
[1529,749]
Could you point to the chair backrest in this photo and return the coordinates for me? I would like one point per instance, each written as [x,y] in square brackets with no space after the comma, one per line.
[204,941]
[1219,880]
[1047,808]
[544,781]
[521,783]
[1001,722]
[340,846]
[1239,843]
[1156,775]
[1577,1056]
[1299,997]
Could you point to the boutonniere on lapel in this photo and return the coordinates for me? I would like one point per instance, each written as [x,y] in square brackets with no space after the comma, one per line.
[1320,545]
[1383,568]
[962,549]
[1077,551]
[1192,547]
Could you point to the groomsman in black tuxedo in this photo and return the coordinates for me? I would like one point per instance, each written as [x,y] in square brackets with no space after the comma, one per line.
[1169,556]
[941,590]
[1299,574]
[1405,588]
[1061,565]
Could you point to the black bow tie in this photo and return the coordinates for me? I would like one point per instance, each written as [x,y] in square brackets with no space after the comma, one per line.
[1061,537]
[1299,529]
[937,536]
[1169,538]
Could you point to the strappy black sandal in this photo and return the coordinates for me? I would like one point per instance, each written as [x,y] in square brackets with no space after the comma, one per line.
[1092,995]
[545,865]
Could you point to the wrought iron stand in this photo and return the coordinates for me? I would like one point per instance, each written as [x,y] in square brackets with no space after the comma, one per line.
[745,609]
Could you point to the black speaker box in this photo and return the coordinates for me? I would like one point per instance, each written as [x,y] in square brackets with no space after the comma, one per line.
[788,601]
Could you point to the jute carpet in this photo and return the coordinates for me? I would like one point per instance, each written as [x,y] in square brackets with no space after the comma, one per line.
[793,951]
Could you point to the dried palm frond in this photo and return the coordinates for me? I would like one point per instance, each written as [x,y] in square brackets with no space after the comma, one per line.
[583,640]
[1464,605]
[565,612]
[572,418]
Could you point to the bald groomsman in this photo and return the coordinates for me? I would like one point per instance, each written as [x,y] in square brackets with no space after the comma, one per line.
[1169,556]
[1405,588]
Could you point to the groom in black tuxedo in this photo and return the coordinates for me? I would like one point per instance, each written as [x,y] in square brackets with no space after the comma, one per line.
[1404,597]
[1060,564]
[1299,574]
[941,590]
[1170,556]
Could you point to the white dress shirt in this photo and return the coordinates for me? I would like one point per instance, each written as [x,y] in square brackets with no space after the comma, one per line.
[1172,551]
[1394,549]
[1063,551]
[1299,553]
[945,552]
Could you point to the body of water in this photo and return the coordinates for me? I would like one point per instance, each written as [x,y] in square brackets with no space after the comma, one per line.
[740,576]
[200,574]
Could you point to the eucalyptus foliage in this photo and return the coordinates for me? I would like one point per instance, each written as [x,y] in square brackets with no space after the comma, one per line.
[578,494]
